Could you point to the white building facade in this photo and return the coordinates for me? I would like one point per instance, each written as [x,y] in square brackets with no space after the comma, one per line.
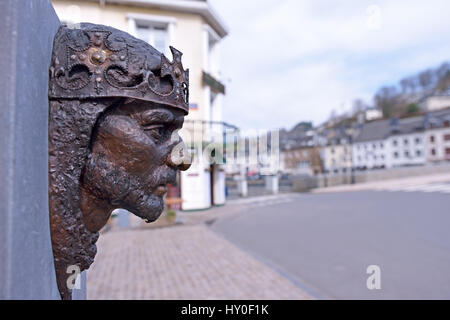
[337,154]
[437,137]
[407,149]
[371,154]
[435,102]
[390,143]
[438,141]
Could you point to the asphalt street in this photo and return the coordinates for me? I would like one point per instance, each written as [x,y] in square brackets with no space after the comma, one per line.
[324,242]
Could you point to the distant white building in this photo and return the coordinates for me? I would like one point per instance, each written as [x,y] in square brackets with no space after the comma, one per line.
[407,142]
[390,143]
[373,114]
[370,147]
[369,114]
[337,154]
[435,102]
[437,136]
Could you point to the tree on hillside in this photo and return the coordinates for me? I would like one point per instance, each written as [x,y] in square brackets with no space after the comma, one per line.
[426,80]
[402,100]
[408,85]
[443,75]
[412,108]
[358,106]
[386,99]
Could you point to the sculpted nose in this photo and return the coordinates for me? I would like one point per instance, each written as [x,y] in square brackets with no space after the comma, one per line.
[180,157]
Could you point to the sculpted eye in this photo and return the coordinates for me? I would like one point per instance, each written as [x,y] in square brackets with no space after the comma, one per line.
[157,131]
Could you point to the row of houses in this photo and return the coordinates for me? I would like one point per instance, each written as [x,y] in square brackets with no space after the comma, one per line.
[403,142]
[377,144]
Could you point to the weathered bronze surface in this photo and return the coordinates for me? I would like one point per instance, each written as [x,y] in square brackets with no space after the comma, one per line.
[115,106]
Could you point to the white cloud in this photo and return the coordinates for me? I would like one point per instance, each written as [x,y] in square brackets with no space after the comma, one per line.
[293,60]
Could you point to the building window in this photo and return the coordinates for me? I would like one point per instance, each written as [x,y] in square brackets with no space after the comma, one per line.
[156,30]
[447,151]
[381,145]
[374,146]
[303,164]
[418,140]
[394,143]
[433,151]
[432,139]
[418,153]
[156,36]
[447,137]
[382,157]
[395,155]
[407,154]
[405,142]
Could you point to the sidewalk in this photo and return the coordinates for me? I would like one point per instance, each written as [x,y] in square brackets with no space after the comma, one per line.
[188,261]
[391,183]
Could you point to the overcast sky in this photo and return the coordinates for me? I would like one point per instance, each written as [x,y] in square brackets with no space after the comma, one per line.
[286,61]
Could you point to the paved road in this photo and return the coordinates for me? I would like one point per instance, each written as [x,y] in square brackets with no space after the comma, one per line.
[325,242]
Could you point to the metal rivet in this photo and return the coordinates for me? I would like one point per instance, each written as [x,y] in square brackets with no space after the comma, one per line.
[98,57]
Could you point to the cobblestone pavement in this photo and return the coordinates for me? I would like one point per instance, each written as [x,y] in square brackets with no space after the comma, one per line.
[181,262]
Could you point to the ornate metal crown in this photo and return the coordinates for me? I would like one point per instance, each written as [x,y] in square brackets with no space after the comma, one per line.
[98,61]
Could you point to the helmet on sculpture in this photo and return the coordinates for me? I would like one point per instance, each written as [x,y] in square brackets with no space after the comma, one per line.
[96,61]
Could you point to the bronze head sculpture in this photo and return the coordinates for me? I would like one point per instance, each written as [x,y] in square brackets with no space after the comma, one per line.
[115,106]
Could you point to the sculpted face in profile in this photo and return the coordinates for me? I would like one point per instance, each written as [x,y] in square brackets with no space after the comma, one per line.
[116,104]
[131,162]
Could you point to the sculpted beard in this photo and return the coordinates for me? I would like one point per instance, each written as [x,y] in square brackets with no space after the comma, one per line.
[110,182]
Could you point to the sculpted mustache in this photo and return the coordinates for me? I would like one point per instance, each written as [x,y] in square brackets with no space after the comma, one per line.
[120,183]
[162,178]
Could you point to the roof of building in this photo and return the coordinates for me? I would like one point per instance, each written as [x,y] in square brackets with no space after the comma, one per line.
[409,125]
[304,142]
[437,119]
[375,130]
[337,136]
[201,7]
[381,129]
